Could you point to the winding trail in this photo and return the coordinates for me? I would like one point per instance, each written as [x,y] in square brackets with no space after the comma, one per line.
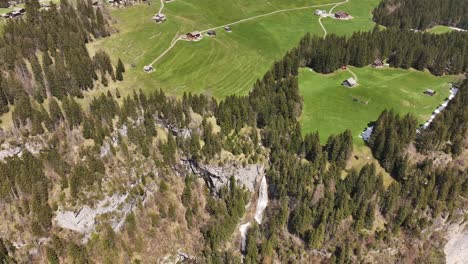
[162,6]
[352,73]
[271,13]
[323,27]
[177,38]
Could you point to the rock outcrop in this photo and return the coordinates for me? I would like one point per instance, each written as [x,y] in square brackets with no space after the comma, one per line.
[217,176]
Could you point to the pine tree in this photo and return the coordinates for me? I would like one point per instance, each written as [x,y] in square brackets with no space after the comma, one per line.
[120,69]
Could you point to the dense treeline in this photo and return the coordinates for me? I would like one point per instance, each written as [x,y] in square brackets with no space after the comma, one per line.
[419,186]
[441,54]
[310,199]
[390,137]
[44,54]
[225,213]
[22,180]
[421,14]
[123,128]
[449,129]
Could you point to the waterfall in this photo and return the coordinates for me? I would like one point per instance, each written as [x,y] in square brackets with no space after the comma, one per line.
[243,230]
[262,201]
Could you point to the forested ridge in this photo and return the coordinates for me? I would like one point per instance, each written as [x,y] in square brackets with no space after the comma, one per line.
[310,199]
[81,175]
[44,54]
[440,54]
[320,209]
[421,14]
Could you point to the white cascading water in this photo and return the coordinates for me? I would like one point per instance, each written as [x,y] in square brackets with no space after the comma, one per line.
[262,203]
[243,230]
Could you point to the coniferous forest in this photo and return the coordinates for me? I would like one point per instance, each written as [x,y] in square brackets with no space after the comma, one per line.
[422,14]
[153,158]
[44,55]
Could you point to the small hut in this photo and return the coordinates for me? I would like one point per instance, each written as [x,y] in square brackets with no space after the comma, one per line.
[17,12]
[211,33]
[321,13]
[148,68]
[341,15]
[378,63]
[159,18]
[351,82]
[430,92]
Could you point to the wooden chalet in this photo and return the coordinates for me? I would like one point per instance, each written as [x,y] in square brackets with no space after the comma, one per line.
[351,82]
[430,92]
[378,63]
[159,18]
[341,15]
[194,36]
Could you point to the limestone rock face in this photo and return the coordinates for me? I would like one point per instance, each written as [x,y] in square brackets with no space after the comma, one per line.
[218,176]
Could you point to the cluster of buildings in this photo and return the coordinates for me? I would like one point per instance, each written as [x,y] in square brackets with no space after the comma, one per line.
[197,35]
[337,15]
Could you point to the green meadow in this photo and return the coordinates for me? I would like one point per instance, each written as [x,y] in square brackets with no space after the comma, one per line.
[440,29]
[331,108]
[231,62]
[228,63]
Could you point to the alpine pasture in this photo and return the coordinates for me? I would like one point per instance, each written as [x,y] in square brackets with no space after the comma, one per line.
[331,108]
[231,62]
[228,63]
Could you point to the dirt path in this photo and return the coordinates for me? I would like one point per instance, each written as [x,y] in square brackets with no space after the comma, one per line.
[329,12]
[177,38]
[269,14]
[162,6]
[352,73]
[325,32]
[173,43]
[323,27]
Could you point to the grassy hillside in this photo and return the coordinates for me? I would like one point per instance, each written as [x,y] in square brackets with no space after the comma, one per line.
[229,63]
[440,29]
[331,108]
[360,10]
